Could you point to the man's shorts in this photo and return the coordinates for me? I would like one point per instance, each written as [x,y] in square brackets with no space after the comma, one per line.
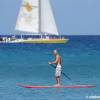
[58,70]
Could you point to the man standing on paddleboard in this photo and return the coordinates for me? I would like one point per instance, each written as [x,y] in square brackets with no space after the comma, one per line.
[58,67]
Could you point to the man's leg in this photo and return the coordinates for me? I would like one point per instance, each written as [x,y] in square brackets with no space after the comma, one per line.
[58,80]
[58,74]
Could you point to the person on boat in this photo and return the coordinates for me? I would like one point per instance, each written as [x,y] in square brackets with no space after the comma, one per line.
[58,67]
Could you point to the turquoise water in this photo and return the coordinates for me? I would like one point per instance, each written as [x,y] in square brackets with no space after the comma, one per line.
[28,64]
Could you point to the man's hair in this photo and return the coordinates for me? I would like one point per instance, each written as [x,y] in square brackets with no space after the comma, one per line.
[55,51]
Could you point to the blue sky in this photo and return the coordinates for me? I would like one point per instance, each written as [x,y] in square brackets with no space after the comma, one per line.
[73,17]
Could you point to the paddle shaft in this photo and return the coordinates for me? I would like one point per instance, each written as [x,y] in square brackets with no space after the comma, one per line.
[62,73]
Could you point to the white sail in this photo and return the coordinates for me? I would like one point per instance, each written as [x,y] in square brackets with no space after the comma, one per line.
[36,16]
[28,19]
[48,24]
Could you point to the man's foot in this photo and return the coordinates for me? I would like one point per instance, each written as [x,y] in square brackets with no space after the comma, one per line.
[57,85]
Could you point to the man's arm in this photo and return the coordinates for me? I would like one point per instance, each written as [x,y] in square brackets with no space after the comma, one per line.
[54,62]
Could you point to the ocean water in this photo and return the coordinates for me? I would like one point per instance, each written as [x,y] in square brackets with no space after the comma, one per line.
[28,64]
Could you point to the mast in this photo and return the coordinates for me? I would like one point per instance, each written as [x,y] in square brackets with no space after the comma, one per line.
[39,16]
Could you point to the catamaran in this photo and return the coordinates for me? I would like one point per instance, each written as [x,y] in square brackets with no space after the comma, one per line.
[36,18]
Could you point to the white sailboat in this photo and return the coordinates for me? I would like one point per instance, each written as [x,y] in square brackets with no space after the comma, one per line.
[36,18]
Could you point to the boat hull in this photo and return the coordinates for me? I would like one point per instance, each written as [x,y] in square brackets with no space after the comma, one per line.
[46,41]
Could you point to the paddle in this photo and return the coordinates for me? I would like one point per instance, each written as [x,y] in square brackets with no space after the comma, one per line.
[62,72]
